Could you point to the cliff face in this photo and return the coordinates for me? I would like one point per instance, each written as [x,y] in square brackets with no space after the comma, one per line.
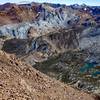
[41,27]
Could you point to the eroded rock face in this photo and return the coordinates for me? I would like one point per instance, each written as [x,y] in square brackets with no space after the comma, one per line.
[15,31]
[41,27]
[49,19]
[43,18]
[57,42]
[54,42]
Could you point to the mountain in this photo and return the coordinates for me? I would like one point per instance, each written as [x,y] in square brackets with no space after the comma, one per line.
[35,20]
[56,39]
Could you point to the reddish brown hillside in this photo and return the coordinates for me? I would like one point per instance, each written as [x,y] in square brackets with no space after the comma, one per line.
[19,81]
[15,14]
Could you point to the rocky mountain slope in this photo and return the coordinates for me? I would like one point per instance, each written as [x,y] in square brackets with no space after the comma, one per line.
[44,19]
[40,18]
[19,81]
[38,33]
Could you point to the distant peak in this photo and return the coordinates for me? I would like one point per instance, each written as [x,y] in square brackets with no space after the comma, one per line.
[24,2]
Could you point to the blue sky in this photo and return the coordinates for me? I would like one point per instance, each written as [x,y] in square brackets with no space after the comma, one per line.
[88,2]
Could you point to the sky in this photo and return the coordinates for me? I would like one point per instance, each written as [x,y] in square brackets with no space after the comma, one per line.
[67,2]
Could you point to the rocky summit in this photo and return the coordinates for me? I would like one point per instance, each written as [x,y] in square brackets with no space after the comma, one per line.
[49,52]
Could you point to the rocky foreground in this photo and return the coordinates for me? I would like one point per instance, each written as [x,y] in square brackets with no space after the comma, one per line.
[19,81]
